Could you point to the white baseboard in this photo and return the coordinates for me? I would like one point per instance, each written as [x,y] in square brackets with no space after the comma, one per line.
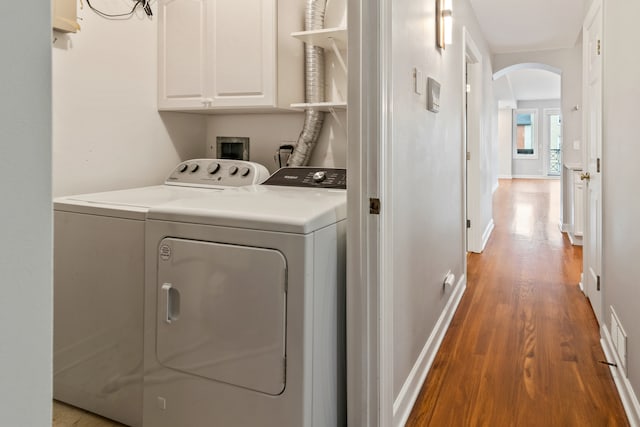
[487,233]
[575,240]
[505,177]
[627,395]
[564,228]
[411,388]
[495,187]
[535,177]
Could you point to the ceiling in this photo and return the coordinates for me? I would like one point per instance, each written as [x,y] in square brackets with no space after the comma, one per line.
[511,26]
[529,25]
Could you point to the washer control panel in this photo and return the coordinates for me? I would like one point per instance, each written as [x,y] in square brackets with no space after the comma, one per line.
[217,172]
[309,177]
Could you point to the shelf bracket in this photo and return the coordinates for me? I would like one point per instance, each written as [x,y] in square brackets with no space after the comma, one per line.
[339,57]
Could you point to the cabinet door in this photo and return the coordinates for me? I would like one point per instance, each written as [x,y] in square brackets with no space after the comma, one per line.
[244,53]
[182,48]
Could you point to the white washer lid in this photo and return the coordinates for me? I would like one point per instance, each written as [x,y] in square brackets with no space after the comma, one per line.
[260,207]
[129,203]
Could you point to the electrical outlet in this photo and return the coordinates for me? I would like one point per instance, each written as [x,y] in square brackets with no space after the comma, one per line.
[448,281]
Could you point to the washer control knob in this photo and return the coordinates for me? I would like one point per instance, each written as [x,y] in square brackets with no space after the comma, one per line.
[213,168]
[233,170]
[319,176]
[244,171]
[183,167]
[194,167]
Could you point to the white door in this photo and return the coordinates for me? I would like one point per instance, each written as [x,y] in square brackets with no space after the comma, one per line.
[592,239]
[474,176]
[552,142]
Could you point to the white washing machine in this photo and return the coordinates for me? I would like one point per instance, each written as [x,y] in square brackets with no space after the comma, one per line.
[99,284]
[245,306]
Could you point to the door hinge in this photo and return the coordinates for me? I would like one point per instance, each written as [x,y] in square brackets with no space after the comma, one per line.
[597,283]
[468,223]
[468,88]
[468,155]
[598,165]
[598,48]
[374,206]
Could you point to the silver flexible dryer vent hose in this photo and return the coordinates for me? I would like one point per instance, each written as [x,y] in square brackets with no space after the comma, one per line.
[314,86]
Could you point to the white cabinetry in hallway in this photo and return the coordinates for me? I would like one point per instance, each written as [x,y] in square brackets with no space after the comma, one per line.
[229,54]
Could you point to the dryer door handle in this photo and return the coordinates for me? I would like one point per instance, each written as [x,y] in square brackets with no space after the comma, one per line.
[170,302]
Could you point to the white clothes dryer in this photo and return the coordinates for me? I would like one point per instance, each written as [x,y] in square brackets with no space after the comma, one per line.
[245,305]
[99,284]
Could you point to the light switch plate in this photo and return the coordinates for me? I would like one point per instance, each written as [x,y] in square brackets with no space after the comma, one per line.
[433,95]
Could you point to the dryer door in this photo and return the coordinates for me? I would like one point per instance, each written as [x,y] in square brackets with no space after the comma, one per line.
[222,312]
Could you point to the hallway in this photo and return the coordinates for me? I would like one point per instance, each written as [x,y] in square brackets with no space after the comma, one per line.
[523,347]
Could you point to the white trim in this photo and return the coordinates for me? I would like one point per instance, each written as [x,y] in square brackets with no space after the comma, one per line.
[505,176]
[411,388]
[363,237]
[581,284]
[625,389]
[564,228]
[551,178]
[386,256]
[495,187]
[573,239]
[526,66]
[487,233]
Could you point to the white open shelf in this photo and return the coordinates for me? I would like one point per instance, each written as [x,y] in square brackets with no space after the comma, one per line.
[320,106]
[324,37]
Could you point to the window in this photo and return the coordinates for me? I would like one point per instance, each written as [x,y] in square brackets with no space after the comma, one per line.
[525,134]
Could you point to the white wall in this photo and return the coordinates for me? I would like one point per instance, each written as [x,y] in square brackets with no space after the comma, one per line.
[620,200]
[266,132]
[107,132]
[426,175]
[534,167]
[570,62]
[25,216]
[505,146]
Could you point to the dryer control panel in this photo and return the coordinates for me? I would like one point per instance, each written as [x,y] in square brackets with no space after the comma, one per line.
[217,172]
[313,177]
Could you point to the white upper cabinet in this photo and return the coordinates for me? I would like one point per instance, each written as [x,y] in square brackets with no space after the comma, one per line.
[229,54]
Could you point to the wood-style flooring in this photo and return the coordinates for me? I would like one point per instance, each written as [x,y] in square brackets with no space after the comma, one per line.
[523,347]
[69,416]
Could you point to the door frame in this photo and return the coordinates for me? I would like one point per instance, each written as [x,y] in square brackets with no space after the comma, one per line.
[369,297]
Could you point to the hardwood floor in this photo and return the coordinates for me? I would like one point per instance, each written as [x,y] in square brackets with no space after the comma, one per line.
[523,347]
